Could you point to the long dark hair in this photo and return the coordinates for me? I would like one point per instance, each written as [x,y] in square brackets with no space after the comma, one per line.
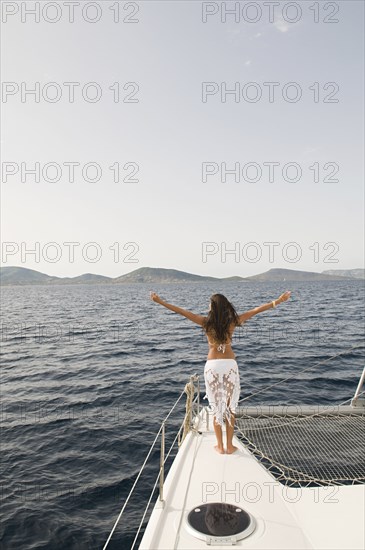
[220,317]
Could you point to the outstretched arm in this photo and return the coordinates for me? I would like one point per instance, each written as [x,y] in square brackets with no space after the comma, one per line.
[244,316]
[188,314]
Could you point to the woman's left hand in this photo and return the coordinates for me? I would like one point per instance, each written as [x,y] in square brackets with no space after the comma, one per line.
[154,297]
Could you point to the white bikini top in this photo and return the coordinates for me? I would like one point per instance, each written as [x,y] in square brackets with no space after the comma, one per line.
[221,347]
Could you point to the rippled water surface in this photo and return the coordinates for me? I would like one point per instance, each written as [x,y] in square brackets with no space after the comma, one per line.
[89,372]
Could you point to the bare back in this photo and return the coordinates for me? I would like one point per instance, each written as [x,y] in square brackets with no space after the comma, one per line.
[221,351]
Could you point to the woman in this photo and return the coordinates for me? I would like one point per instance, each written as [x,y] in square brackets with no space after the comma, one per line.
[221,374]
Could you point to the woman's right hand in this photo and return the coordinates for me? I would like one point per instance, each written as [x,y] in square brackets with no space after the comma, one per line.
[284,297]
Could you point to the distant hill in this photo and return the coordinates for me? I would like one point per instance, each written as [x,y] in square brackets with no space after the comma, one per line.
[278,274]
[353,273]
[85,278]
[23,276]
[150,275]
[162,275]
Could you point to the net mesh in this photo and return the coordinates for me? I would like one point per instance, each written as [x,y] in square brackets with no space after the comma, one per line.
[307,450]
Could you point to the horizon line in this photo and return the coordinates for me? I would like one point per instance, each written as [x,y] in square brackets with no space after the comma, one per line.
[179,270]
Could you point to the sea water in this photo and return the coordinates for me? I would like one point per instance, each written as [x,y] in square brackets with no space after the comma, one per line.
[90,371]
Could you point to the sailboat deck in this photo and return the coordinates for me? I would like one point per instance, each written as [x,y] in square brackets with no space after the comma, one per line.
[285,517]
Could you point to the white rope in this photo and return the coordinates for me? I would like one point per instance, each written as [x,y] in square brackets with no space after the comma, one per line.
[189,390]
[351,398]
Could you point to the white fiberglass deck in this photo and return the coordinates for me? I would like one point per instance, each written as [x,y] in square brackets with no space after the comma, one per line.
[286,517]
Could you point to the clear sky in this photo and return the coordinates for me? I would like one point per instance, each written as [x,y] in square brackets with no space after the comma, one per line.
[164,133]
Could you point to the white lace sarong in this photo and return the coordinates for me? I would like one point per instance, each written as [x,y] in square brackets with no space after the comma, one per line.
[222,385]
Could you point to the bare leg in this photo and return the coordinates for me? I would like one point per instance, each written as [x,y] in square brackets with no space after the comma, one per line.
[230,431]
[218,432]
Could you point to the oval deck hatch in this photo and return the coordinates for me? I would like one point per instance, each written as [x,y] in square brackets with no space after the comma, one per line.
[219,520]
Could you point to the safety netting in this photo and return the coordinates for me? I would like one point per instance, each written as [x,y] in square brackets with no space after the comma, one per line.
[324,448]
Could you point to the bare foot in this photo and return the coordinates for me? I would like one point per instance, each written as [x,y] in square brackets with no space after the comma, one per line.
[219,449]
[231,449]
